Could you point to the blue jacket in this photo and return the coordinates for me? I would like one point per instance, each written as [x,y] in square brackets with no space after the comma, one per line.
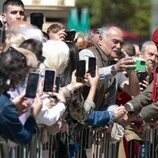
[10,125]
[100,118]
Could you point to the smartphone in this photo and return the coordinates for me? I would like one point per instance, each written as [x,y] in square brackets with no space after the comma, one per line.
[2,36]
[142,76]
[140,64]
[32,84]
[57,83]
[70,35]
[49,78]
[80,70]
[92,66]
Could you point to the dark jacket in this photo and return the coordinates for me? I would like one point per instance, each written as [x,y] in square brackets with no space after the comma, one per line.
[149,110]
[10,125]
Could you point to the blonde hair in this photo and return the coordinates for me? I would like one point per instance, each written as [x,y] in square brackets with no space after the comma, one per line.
[29,55]
[56,55]
[13,39]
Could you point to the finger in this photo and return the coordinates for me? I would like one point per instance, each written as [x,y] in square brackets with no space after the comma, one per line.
[144,85]
[145,82]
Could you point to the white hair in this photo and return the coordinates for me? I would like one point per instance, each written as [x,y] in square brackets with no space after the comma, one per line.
[29,32]
[32,32]
[146,45]
[56,55]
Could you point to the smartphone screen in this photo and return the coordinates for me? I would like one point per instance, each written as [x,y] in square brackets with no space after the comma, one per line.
[70,35]
[49,80]
[92,66]
[1,36]
[2,33]
[57,83]
[80,70]
[142,76]
[32,84]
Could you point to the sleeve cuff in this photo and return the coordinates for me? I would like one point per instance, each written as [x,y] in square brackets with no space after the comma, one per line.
[112,117]
[89,105]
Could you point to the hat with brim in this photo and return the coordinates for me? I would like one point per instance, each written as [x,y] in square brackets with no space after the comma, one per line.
[30,57]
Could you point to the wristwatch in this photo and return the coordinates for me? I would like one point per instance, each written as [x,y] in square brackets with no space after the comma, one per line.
[113,70]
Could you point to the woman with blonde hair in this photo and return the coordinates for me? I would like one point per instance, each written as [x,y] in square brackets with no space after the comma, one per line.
[56,55]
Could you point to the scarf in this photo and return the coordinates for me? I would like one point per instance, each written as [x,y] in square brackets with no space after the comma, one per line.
[155,86]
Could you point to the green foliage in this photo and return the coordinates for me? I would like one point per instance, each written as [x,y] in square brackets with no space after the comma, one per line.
[133,15]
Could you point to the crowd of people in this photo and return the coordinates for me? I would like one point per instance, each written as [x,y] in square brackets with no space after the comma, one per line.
[114,96]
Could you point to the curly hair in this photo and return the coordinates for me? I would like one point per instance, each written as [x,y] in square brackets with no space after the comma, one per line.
[13,69]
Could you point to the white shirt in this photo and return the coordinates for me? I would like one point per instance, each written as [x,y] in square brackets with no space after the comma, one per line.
[49,116]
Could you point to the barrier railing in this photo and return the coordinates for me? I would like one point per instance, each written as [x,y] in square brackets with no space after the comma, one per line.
[93,144]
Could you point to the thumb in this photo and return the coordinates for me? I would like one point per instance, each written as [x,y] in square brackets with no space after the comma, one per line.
[22,95]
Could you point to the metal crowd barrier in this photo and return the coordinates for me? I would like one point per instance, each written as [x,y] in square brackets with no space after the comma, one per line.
[93,144]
